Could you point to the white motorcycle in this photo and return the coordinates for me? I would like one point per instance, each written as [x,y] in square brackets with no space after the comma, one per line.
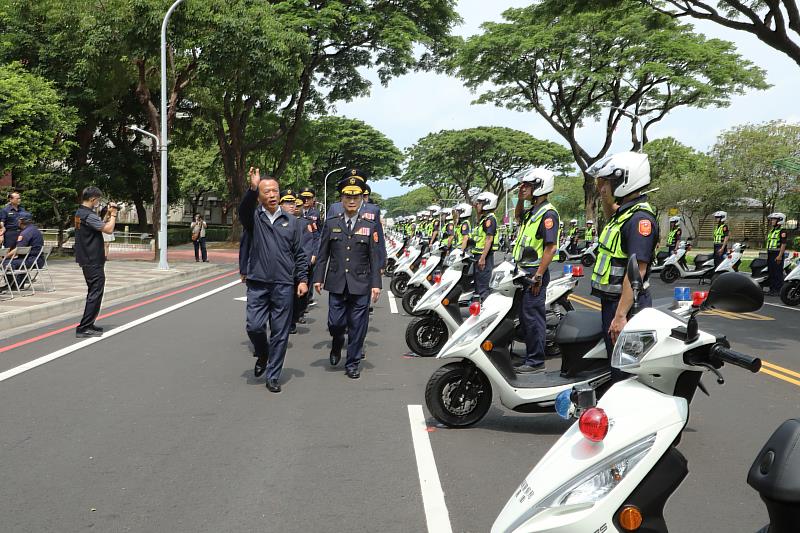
[394,248]
[614,469]
[422,279]
[589,254]
[405,268]
[459,393]
[731,261]
[675,266]
[563,254]
[790,291]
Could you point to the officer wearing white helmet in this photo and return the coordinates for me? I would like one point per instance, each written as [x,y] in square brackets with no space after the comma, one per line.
[721,233]
[435,224]
[776,246]
[483,236]
[446,237]
[534,250]
[573,235]
[591,232]
[461,239]
[675,233]
[631,229]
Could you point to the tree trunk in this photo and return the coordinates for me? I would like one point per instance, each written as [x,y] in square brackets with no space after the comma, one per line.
[589,197]
[156,181]
[141,214]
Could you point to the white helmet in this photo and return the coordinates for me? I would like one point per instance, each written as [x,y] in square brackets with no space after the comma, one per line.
[674,219]
[488,200]
[781,218]
[465,210]
[629,170]
[574,221]
[447,211]
[590,221]
[434,209]
[542,180]
[721,214]
[422,213]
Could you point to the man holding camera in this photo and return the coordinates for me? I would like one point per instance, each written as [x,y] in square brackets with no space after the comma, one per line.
[90,255]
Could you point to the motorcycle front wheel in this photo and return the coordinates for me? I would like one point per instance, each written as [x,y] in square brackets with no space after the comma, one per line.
[670,274]
[399,284]
[587,260]
[410,299]
[458,395]
[790,293]
[426,335]
[390,264]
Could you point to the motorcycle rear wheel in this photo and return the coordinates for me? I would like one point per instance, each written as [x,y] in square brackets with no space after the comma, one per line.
[410,299]
[399,284]
[790,293]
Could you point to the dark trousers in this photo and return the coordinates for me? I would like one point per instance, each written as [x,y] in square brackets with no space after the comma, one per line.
[269,304]
[350,313]
[719,255]
[10,238]
[483,277]
[95,277]
[301,302]
[532,318]
[608,310]
[670,248]
[200,246]
[775,271]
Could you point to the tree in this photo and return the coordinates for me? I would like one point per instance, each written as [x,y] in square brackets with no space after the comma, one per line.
[567,196]
[199,172]
[451,162]
[776,24]
[677,169]
[410,202]
[34,124]
[747,155]
[573,67]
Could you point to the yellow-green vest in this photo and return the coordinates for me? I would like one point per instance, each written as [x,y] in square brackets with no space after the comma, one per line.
[612,260]
[479,236]
[459,238]
[719,234]
[774,239]
[528,235]
[589,235]
[673,234]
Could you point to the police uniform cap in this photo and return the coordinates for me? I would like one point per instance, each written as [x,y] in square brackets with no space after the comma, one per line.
[307,192]
[287,196]
[25,216]
[351,186]
[355,173]
[298,201]
[367,189]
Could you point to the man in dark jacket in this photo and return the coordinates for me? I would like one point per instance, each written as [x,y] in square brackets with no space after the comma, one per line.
[276,264]
[349,265]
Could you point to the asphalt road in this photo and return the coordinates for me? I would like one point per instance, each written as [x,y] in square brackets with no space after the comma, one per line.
[161,426]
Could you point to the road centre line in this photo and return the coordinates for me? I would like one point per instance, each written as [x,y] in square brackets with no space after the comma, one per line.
[30,365]
[392,304]
[780,376]
[773,366]
[436,515]
[585,302]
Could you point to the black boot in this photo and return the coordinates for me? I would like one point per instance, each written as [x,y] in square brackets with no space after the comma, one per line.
[336,350]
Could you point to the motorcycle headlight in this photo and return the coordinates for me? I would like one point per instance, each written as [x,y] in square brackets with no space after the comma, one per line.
[449,260]
[591,485]
[631,347]
[497,279]
[475,331]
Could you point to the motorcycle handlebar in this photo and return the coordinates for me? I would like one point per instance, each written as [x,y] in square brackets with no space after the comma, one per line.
[753,364]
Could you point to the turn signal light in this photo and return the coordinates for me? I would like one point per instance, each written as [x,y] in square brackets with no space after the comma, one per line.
[577,271]
[445,302]
[487,346]
[630,518]
[407,253]
[424,262]
[796,254]
[437,278]
[475,308]
[698,297]
[594,424]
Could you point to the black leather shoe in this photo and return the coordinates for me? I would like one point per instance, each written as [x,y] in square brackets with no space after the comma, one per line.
[273,385]
[95,328]
[335,357]
[292,329]
[302,320]
[353,374]
[87,333]
[261,366]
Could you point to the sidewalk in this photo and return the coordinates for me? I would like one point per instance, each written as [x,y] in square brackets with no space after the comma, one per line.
[125,277]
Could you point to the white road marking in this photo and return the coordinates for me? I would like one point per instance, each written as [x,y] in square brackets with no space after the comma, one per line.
[783,306]
[436,515]
[88,342]
[392,304]
[241,299]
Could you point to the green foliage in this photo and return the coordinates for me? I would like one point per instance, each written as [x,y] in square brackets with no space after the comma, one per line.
[451,162]
[34,123]
[198,171]
[572,66]
[410,202]
[177,236]
[568,197]
[747,154]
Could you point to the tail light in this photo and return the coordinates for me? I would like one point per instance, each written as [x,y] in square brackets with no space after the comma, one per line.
[437,278]
[577,271]
[698,297]
[730,256]
[407,253]
[475,308]
[593,424]
[424,262]
[796,255]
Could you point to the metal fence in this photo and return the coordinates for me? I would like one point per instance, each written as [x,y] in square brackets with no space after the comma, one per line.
[122,240]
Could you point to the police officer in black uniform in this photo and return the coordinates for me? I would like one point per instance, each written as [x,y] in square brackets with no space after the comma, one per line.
[311,213]
[349,266]
[777,238]
[9,220]
[276,265]
[91,256]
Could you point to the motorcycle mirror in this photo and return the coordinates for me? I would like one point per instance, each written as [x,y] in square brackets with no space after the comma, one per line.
[529,255]
[734,292]
[634,276]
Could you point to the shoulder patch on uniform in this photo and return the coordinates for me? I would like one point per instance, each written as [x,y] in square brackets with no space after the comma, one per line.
[375,236]
[336,230]
[464,226]
[19,238]
[488,223]
[548,223]
[645,228]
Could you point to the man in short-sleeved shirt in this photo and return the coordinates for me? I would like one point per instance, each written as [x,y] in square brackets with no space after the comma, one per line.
[29,236]
[9,220]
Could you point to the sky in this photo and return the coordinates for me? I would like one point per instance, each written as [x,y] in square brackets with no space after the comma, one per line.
[420,103]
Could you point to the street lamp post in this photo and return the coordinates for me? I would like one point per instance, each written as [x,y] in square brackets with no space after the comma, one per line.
[325,189]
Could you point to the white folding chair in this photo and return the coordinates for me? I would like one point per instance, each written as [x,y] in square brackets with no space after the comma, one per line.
[22,253]
[37,272]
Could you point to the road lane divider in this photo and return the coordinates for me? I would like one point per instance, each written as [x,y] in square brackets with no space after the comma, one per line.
[436,515]
[392,304]
[779,372]
[585,302]
[30,365]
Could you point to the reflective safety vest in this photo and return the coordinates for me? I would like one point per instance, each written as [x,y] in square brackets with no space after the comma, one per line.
[612,260]
[673,234]
[774,239]
[573,231]
[589,235]
[479,236]
[459,238]
[719,234]
[528,235]
[445,231]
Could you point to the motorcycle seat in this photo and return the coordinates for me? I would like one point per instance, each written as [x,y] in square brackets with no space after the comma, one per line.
[701,258]
[580,327]
[758,263]
[775,474]
[662,256]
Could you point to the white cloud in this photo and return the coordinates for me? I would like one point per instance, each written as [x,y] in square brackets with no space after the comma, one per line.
[420,103]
